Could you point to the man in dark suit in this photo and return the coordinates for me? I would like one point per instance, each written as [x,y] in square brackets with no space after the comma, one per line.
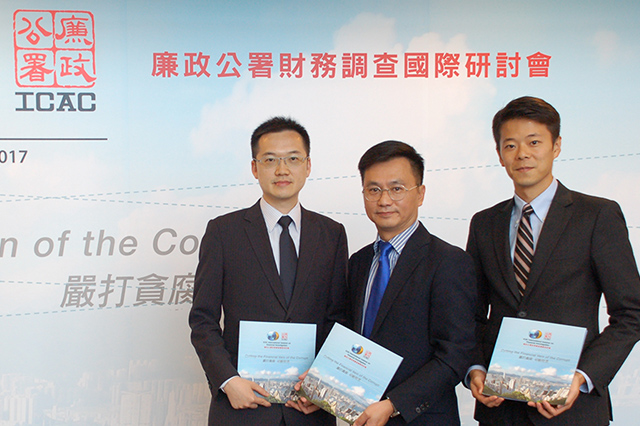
[240,272]
[572,249]
[412,293]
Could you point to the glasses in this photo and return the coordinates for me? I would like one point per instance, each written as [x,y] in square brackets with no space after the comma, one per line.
[396,193]
[292,161]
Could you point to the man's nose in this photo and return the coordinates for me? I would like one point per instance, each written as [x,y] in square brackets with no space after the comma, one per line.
[281,167]
[385,198]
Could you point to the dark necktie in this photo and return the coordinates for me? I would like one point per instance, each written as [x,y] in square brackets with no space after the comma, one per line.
[377,288]
[523,255]
[288,258]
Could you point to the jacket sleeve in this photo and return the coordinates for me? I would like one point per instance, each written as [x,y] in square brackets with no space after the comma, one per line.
[338,309]
[482,311]
[617,275]
[206,312]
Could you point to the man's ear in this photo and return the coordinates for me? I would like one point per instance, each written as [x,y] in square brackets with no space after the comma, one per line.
[557,147]
[500,157]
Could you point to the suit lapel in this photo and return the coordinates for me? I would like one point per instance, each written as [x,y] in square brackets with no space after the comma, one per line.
[309,237]
[554,224]
[412,254]
[502,247]
[256,231]
[361,271]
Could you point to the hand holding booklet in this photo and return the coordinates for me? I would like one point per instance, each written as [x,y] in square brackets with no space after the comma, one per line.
[534,361]
[350,373]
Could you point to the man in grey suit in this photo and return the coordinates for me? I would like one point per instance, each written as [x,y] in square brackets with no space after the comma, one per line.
[412,293]
[549,254]
[246,271]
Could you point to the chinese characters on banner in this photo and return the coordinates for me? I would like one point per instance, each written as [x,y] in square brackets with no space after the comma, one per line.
[352,65]
[54,48]
[81,291]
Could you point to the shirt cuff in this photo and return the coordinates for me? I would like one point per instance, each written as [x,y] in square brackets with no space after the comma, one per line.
[467,379]
[225,383]
[588,386]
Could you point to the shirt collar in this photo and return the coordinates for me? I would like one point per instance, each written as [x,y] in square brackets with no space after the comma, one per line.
[540,204]
[272,215]
[399,241]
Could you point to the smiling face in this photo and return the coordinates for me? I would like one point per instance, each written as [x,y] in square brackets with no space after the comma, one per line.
[527,151]
[392,217]
[281,184]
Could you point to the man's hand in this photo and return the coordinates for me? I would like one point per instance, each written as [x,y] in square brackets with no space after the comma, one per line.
[549,410]
[241,396]
[302,404]
[376,414]
[477,385]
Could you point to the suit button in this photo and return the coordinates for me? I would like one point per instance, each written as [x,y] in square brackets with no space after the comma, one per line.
[522,314]
[418,410]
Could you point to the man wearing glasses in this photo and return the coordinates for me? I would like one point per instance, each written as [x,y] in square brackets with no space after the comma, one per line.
[274,261]
[412,293]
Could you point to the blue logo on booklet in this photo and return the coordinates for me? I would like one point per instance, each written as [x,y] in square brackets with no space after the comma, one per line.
[273,335]
[535,334]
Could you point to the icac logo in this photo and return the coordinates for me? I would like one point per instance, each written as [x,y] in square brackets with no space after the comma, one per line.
[357,349]
[535,334]
[273,335]
[54,49]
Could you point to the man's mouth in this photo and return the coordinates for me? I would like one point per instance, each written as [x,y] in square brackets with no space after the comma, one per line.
[385,213]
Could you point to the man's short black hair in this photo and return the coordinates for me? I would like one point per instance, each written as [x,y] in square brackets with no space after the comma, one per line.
[388,150]
[529,108]
[275,125]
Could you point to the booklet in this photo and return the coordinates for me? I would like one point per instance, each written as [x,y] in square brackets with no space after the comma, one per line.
[274,354]
[350,373]
[534,361]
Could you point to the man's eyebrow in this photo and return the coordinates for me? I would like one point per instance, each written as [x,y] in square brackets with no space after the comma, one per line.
[393,182]
[275,154]
[530,135]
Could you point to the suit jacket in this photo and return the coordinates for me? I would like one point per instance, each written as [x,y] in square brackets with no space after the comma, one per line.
[237,273]
[583,252]
[425,316]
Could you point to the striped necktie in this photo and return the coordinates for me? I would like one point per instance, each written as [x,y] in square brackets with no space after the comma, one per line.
[523,255]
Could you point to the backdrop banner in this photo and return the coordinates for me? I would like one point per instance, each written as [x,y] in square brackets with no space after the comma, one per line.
[125,127]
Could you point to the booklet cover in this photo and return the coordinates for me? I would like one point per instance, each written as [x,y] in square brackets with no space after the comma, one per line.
[350,373]
[274,354]
[534,361]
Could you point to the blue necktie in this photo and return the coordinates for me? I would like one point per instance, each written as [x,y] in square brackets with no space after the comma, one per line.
[378,287]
